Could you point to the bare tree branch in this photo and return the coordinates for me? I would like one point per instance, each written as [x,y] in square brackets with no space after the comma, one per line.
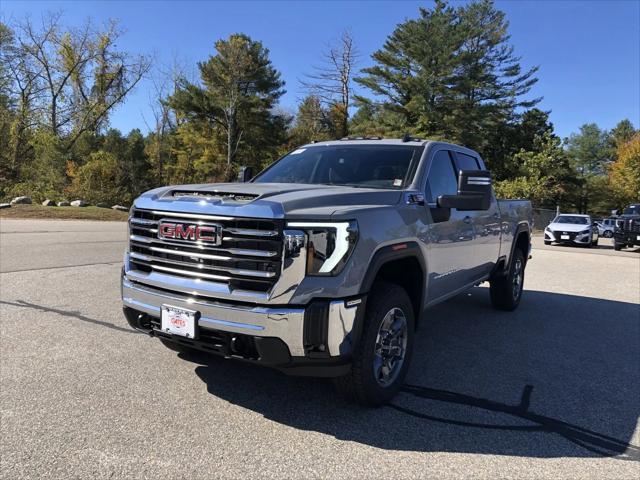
[332,81]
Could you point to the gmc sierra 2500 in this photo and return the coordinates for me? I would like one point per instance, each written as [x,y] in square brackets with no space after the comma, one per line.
[325,262]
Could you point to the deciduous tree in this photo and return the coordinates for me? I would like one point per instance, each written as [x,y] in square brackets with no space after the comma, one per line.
[81,74]
[624,175]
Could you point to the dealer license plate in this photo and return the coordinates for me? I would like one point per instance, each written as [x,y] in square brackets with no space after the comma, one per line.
[178,321]
[564,237]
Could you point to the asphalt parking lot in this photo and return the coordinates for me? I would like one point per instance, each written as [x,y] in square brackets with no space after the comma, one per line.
[550,391]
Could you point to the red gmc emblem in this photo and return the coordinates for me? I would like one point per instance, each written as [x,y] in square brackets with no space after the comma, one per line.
[189,232]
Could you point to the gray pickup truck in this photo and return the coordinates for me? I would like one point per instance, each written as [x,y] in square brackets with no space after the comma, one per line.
[325,262]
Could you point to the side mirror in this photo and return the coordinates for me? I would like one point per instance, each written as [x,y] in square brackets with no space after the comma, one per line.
[474,191]
[245,174]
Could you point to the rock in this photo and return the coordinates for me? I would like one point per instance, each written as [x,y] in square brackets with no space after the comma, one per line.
[102,205]
[5,205]
[79,203]
[120,208]
[21,201]
[64,203]
[49,203]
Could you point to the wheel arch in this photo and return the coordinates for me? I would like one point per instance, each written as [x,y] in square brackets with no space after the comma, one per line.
[521,240]
[402,264]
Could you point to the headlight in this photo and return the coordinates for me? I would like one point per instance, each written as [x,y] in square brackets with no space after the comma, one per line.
[585,232]
[327,245]
[547,229]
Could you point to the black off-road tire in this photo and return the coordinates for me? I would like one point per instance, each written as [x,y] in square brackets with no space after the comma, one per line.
[502,289]
[617,246]
[547,242]
[360,384]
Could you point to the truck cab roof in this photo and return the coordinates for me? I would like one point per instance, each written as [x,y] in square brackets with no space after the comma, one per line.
[411,141]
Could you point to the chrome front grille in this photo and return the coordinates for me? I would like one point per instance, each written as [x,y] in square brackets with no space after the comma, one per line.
[248,257]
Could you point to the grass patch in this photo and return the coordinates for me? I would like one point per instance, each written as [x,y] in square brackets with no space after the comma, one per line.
[63,213]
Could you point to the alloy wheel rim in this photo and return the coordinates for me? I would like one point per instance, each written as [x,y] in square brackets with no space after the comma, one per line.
[518,277]
[391,347]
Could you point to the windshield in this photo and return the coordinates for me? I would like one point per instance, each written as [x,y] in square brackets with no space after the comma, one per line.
[572,219]
[633,210]
[370,166]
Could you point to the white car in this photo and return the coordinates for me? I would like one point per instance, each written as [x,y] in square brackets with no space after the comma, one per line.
[572,229]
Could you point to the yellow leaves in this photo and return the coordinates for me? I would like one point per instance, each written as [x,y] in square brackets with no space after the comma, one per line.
[71,169]
[624,174]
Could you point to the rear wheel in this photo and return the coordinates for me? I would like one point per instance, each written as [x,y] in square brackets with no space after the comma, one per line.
[506,291]
[381,358]
[607,234]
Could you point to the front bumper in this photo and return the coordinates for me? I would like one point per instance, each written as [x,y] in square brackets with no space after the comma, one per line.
[292,338]
[629,238]
[574,239]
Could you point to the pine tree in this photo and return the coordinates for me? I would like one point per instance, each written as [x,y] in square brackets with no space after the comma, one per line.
[239,89]
[451,73]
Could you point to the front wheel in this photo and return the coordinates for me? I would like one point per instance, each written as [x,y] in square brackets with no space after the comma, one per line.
[547,242]
[607,234]
[617,246]
[506,291]
[381,358]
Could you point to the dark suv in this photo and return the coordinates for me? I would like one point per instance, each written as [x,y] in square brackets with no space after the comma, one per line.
[627,231]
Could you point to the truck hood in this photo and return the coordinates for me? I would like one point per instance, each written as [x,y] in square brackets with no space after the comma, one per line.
[568,227]
[264,200]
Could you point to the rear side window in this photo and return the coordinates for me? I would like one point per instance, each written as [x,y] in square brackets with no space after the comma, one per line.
[442,179]
[466,162]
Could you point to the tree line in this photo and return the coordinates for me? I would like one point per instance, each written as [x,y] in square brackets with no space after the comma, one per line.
[449,74]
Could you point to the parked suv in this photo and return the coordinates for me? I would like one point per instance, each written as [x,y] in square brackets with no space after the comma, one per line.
[606,227]
[627,231]
[325,263]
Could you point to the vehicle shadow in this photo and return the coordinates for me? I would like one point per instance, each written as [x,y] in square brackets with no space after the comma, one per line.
[557,378]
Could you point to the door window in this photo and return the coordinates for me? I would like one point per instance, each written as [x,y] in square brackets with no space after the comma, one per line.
[442,179]
[466,162]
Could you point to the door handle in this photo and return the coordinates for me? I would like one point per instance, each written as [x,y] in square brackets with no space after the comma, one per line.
[467,219]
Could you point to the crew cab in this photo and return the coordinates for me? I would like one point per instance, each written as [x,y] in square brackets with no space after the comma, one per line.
[325,263]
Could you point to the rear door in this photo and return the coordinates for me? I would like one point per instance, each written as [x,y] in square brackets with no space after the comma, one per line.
[450,240]
[486,223]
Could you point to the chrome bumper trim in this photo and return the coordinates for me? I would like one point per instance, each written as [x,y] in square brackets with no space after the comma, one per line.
[341,320]
[284,323]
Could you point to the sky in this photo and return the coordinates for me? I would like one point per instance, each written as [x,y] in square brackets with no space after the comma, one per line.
[588,51]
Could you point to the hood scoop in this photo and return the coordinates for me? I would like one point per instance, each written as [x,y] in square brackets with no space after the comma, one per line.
[212,196]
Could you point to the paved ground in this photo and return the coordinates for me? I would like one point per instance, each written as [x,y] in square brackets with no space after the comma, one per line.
[83,396]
